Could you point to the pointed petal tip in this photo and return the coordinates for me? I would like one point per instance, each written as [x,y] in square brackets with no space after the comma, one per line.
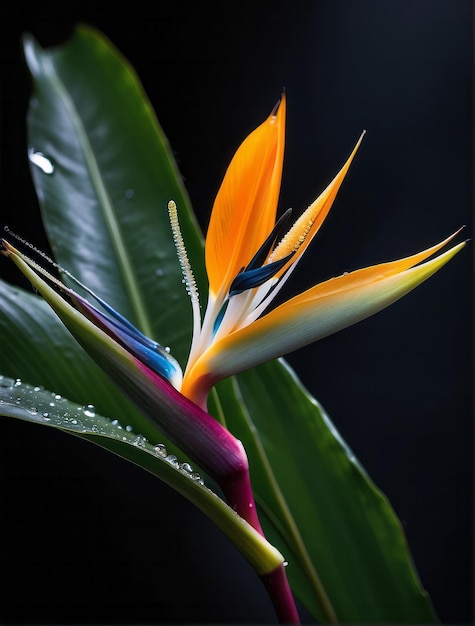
[447,240]
[279,102]
[6,248]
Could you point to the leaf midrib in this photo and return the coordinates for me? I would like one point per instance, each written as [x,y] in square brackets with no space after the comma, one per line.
[123,259]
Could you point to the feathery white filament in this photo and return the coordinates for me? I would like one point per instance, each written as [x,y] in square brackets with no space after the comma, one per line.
[186,270]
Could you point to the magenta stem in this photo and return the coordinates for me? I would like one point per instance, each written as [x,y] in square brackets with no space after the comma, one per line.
[237,491]
[279,592]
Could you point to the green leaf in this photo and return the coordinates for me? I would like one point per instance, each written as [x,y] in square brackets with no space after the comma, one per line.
[104,207]
[340,528]
[43,407]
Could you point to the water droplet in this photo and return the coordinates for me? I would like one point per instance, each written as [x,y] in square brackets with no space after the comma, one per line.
[285,563]
[197,477]
[115,422]
[39,159]
[171,458]
[52,404]
[57,396]
[38,388]
[167,349]
[33,410]
[89,410]
[17,382]
[186,467]
[46,416]
[140,441]
[160,450]
[128,428]
[129,193]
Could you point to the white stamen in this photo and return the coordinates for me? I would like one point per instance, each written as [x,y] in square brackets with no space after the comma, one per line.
[185,266]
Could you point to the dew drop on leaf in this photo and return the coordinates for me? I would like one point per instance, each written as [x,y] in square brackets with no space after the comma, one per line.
[197,477]
[140,441]
[160,450]
[171,458]
[89,410]
[44,163]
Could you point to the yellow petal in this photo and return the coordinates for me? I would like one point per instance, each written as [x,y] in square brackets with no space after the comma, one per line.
[307,225]
[317,313]
[245,207]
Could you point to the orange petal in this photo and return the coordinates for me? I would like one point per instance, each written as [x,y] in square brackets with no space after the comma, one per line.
[245,207]
[307,225]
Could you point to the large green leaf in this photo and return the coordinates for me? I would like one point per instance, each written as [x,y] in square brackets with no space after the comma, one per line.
[103,198]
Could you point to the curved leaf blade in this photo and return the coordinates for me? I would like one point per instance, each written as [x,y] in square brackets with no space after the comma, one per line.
[29,403]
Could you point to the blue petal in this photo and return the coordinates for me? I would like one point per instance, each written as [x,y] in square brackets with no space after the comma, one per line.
[249,279]
[261,255]
[149,352]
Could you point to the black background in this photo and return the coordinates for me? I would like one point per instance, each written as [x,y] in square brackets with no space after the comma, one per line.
[88,538]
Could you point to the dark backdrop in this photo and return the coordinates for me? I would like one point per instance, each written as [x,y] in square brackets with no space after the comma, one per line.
[88,538]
